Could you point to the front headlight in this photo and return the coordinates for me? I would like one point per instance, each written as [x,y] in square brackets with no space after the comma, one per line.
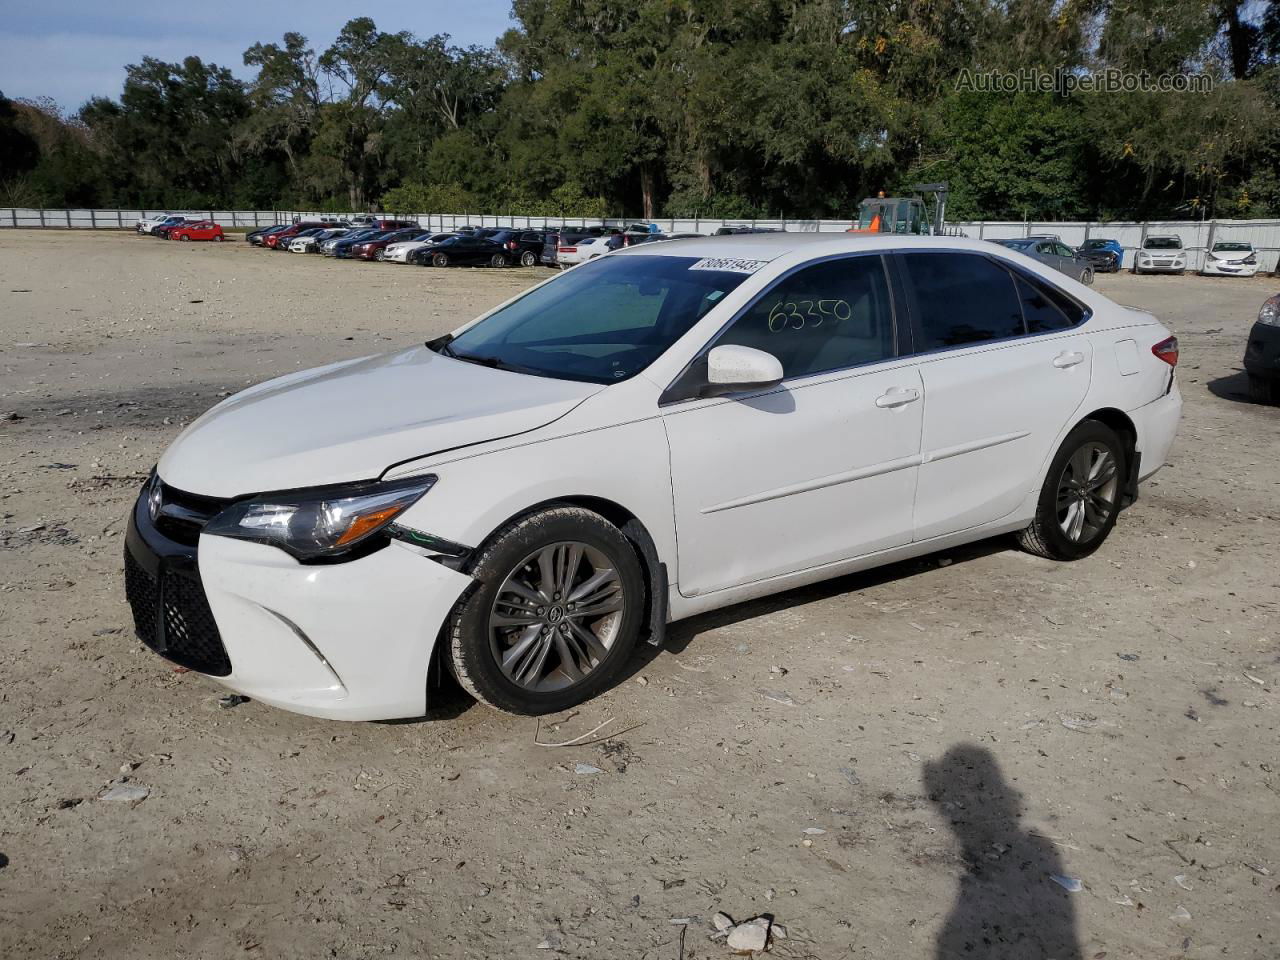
[1270,312]
[322,522]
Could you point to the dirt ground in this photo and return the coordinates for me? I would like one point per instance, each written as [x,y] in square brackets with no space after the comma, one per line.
[957,730]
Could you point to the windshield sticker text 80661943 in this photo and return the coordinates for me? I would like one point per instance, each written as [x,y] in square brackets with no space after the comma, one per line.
[729,264]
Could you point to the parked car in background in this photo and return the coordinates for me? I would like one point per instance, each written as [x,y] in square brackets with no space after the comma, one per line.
[199,230]
[523,246]
[344,248]
[272,240]
[149,224]
[258,237]
[566,236]
[330,247]
[308,242]
[1160,255]
[1105,256]
[469,251]
[1230,258]
[732,231]
[1053,253]
[405,251]
[505,502]
[375,248]
[1262,353]
[161,230]
[286,245]
[584,249]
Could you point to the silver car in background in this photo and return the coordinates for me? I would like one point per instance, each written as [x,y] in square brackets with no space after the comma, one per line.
[1054,253]
[1160,255]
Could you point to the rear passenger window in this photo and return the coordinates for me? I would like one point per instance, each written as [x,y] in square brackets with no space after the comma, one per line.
[961,298]
[1046,309]
[828,316]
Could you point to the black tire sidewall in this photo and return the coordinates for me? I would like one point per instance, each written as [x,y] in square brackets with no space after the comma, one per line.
[1090,431]
[469,624]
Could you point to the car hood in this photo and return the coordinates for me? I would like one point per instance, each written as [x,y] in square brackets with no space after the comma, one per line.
[352,420]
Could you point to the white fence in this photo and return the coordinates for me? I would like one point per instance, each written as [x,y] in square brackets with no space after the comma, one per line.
[1197,235]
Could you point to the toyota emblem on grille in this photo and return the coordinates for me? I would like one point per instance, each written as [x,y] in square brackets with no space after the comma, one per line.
[155,499]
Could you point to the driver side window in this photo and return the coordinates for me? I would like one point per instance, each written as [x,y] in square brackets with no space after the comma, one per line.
[829,316]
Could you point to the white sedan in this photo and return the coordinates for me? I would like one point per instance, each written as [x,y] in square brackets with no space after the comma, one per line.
[1229,258]
[669,430]
[588,248]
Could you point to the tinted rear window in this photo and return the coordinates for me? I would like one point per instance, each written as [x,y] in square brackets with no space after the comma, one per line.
[961,298]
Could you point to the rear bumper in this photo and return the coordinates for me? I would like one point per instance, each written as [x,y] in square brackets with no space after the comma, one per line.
[1262,352]
[1157,426]
[345,641]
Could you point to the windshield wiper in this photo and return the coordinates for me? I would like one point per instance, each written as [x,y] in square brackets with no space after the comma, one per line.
[495,363]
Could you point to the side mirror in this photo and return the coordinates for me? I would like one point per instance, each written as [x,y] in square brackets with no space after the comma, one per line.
[731,368]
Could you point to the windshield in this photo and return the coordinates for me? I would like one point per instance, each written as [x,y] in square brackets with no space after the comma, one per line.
[1163,243]
[601,323]
[1096,244]
[1017,244]
[1231,248]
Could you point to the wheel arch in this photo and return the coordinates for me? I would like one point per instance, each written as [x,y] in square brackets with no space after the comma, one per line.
[631,527]
[1127,431]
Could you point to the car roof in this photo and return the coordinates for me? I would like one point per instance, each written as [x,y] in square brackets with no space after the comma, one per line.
[771,246]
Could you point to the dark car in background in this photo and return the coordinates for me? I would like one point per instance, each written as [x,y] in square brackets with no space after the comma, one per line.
[258,237]
[343,248]
[470,251]
[1262,353]
[1053,253]
[272,240]
[523,246]
[1105,256]
[374,248]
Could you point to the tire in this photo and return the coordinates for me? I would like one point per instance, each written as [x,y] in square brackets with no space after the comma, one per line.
[510,572]
[1071,520]
[1087,277]
[1134,270]
[527,259]
[379,255]
[1262,390]
[184,238]
[220,238]
[1181,272]
[439,259]
[498,260]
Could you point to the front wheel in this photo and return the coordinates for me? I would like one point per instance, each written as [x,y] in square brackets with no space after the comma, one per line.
[527,259]
[1080,499]
[184,238]
[498,260]
[1086,277]
[440,259]
[554,616]
[219,238]
[379,255]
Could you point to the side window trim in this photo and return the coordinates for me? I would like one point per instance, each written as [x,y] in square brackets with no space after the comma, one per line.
[1086,312]
[675,391]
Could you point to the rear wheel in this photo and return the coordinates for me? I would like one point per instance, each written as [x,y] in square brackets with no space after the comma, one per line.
[219,238]
[554,616]
[527,259]
[1080,499]
[1262,390]
[185,238]
[440,259]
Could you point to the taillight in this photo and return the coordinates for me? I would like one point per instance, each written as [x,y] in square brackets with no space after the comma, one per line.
[1167,350]
[566,249]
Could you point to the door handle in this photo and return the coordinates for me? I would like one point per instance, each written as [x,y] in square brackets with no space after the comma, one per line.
[897,397]
[1068,359]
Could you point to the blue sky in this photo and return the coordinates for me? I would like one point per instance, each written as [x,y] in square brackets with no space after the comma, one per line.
[72,50]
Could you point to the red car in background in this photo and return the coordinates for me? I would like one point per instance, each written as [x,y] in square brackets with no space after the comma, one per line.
[375,248]
[281,239]
[200,230]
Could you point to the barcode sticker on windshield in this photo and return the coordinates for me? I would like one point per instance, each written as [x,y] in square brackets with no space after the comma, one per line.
[729,264]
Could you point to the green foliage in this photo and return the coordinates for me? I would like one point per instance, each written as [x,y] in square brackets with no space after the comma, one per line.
[716,108]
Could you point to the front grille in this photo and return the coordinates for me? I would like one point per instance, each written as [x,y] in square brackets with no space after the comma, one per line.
[144,598]
[183,515]
[173,618]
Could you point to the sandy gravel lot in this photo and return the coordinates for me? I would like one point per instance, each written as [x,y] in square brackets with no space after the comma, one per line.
[961,727]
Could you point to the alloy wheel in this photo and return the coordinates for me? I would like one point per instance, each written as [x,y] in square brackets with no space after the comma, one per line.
[497,260]
[556,616]
[527,259]
[1087,492]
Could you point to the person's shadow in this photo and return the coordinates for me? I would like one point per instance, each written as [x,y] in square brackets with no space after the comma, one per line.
[1008,905]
